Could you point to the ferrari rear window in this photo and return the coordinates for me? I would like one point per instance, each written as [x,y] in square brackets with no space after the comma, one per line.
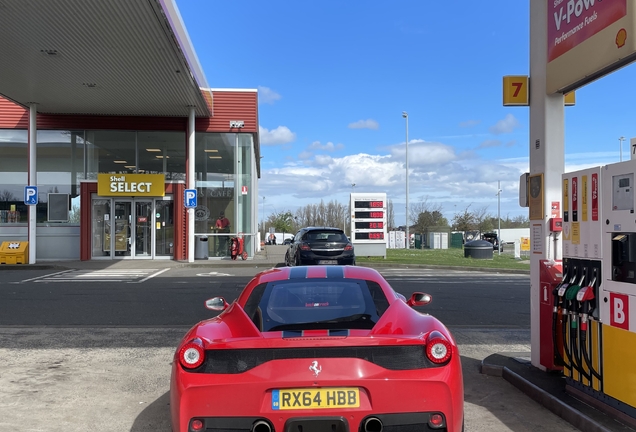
[316,304]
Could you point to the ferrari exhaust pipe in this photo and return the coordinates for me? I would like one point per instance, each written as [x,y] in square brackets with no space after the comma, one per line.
[262,426]
[372,424]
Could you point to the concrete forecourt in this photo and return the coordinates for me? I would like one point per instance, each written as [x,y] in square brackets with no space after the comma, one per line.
[112,378]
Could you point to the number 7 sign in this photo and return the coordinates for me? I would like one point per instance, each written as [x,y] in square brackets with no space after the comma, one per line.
[515,90]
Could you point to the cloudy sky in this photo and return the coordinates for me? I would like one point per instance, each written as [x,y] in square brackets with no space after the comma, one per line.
[334,78]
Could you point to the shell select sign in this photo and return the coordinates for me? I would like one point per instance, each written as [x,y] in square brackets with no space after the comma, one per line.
[131,185]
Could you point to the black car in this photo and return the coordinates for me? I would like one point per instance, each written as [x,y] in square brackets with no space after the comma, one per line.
[320,245]
[494,239]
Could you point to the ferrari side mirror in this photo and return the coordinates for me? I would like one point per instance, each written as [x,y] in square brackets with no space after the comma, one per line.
[216,304]
[419,299]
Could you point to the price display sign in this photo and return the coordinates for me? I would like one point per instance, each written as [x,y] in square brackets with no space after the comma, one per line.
[368,218]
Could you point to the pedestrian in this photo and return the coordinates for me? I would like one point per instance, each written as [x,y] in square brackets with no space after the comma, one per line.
[222,225]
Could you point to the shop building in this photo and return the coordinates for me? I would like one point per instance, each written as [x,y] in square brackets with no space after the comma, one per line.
[112,121]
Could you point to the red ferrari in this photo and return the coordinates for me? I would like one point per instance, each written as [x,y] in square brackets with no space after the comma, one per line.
[315,349]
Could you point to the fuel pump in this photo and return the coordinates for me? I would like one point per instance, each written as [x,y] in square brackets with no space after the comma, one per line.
[551,278]
[562,312]
[586,298]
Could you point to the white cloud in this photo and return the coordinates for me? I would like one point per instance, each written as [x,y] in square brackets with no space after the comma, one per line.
[280,135]
[507,125]
[365,124]
[323,160]
[267,95]
[469,123]
[424,153]
[317,145]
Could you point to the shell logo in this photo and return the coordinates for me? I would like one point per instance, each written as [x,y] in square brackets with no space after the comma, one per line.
[621,37]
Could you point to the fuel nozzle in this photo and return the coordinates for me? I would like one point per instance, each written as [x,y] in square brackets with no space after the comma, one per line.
[570,297]
[561,291]
[584,297]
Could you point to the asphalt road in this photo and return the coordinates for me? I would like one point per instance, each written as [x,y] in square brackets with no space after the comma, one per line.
[92,351]
[176,297]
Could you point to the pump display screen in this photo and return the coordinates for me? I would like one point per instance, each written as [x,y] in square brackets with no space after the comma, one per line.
[370,215]
[373,225]
[369,236]
[369,204]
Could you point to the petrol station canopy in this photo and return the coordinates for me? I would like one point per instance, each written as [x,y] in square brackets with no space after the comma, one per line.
[98,57]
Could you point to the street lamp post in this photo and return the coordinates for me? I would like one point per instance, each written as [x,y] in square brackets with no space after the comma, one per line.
[405,115]
[499,217]
[263,215]
[353,187]
[620,141]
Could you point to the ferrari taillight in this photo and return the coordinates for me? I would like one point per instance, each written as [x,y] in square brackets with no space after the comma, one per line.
[438,349]
[191,355]
[196,425]
[436,421]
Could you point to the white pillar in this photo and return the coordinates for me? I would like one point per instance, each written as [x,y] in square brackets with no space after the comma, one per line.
[547,135]
[191,184]
[33,179]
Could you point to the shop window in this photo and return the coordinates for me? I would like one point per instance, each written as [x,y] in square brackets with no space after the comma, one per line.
[215,167]
[60,164]
[13,176]
[162,153]
[110,152]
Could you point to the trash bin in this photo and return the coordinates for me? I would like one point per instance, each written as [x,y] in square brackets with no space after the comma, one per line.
[201,247]
[478,249]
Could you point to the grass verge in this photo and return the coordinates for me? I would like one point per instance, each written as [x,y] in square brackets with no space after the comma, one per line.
[448,257]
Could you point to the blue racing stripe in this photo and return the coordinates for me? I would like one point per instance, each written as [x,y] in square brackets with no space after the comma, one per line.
[298,273]
[335,272]
[292,333]
[343,332]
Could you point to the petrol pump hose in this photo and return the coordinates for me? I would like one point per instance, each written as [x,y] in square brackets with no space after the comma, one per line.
[577,362]
[557,298]
[585,297]
[564,314]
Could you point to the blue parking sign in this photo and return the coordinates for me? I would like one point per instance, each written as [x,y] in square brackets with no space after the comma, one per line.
[190,198]
[31,195]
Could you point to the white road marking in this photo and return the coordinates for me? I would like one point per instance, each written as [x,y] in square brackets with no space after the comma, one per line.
[45,276]
[211,274]
[108,275]
[152,275]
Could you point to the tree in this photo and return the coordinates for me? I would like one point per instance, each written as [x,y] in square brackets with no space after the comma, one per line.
[430,219]
[6,195]
[281,222]
[332,214]
[482,220]
[464,221]
[425,214]
[390,215]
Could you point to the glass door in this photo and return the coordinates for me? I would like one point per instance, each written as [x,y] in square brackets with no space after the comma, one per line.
[132,228]
[142,240]
[100,226]
[164,227]
[122,228]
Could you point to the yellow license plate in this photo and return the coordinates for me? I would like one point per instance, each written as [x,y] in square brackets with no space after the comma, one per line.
[312,398]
